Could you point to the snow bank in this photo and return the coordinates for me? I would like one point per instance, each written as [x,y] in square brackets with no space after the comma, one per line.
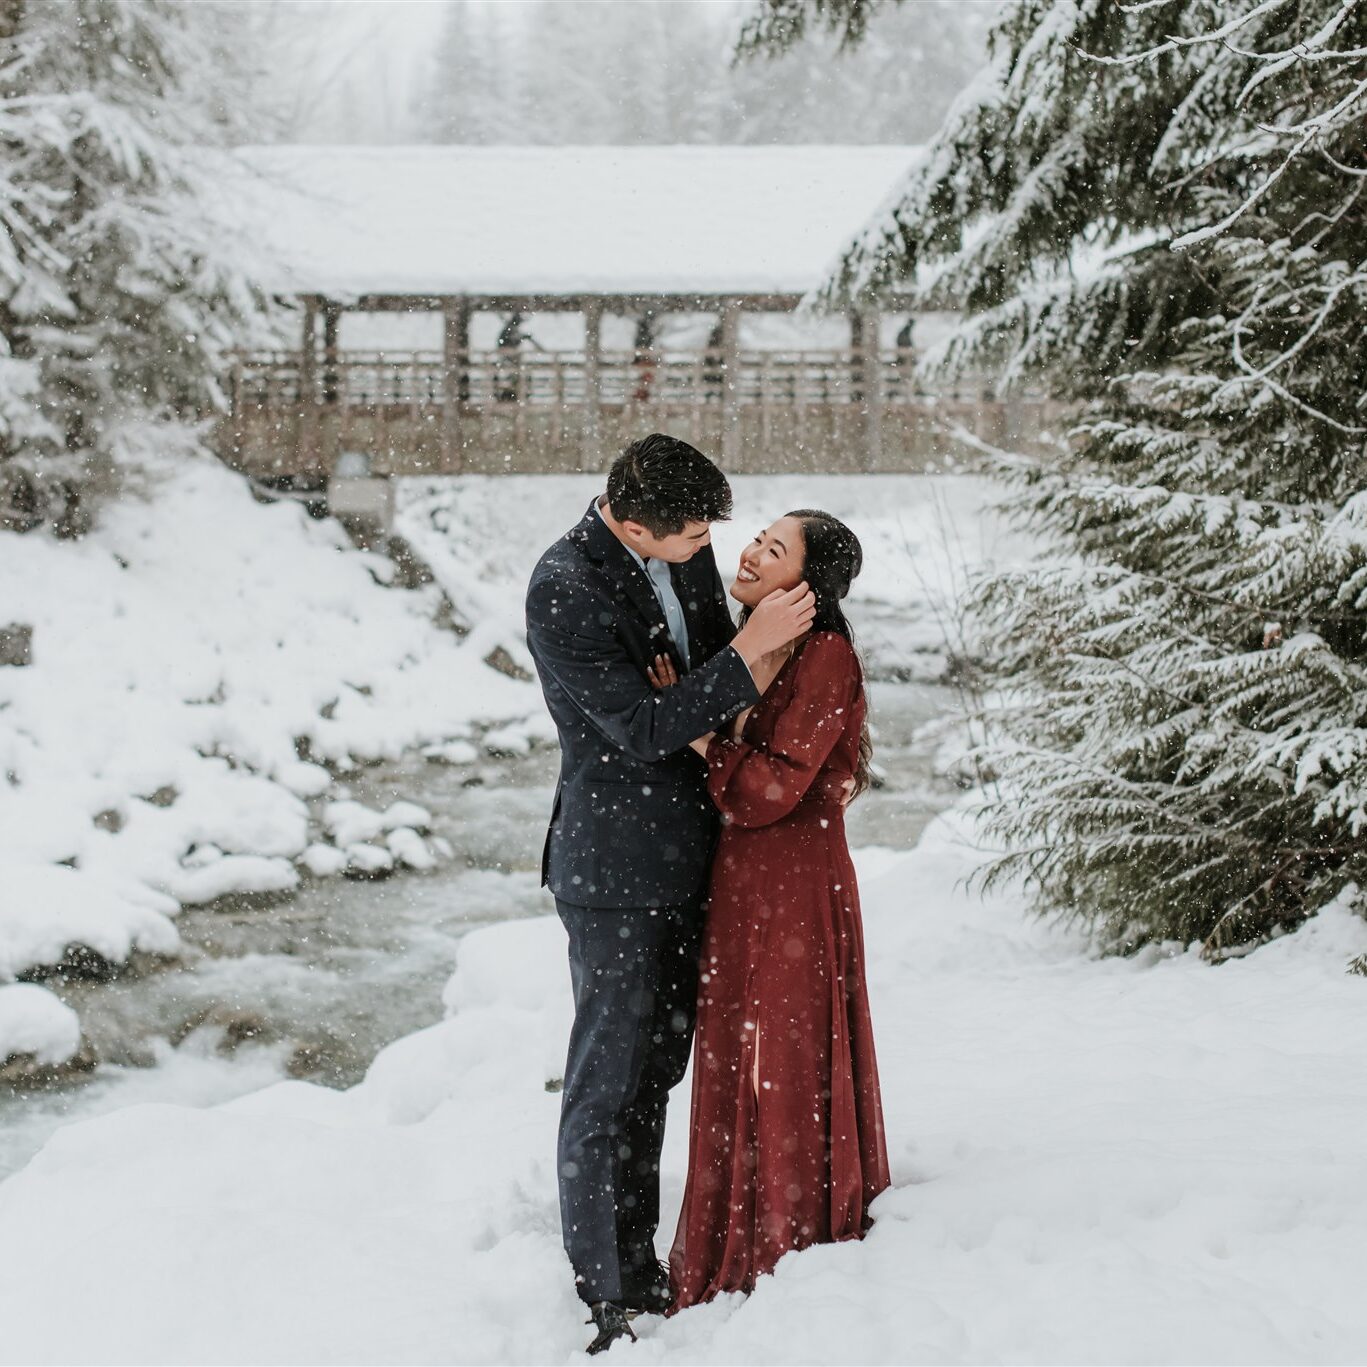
[1148,1160]
[183,656]
[36,1024]
[924,537]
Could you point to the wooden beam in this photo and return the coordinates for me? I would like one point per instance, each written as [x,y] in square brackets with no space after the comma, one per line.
[627,304]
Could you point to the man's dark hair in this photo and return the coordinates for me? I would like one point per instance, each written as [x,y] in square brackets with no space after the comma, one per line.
[664,483]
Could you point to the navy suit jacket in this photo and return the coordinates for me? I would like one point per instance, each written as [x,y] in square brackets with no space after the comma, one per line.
[632,825]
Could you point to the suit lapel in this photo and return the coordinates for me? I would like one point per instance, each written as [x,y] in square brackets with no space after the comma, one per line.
[629,580]
[636,587]
[695,581]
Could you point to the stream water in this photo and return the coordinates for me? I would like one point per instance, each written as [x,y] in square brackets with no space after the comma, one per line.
[314,985]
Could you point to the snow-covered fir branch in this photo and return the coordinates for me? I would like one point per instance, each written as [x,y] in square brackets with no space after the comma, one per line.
[1156,211]
[122,287]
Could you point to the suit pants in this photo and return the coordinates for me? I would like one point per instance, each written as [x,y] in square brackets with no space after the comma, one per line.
[635,978]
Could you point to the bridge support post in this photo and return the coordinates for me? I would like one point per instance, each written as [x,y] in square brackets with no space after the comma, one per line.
[872,390]
[310,436]
[590,457]
[730,385]
[332,317]
[455,382]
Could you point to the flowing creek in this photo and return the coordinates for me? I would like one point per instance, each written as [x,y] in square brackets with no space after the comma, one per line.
[314,985]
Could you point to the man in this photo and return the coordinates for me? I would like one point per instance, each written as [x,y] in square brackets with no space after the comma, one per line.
[632,831]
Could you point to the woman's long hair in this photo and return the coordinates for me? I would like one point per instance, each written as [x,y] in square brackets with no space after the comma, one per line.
[832,556]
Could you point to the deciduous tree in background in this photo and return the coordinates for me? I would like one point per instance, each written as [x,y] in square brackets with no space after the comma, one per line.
[1160,210]
[119,293]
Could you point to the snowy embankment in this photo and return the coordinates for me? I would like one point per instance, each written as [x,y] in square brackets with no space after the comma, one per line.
[203,667]
[923,536]
[1146,1160]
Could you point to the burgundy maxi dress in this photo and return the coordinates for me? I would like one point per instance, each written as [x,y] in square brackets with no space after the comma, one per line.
[786,1146]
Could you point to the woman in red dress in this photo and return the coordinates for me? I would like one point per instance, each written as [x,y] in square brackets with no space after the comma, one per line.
[786,1146]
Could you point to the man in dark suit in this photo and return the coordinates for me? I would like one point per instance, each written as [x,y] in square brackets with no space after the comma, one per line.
[632,831]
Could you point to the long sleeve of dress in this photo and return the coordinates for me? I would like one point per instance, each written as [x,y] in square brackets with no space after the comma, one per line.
[758,784]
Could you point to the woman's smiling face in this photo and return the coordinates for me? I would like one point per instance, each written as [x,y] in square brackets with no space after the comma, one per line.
[773,560]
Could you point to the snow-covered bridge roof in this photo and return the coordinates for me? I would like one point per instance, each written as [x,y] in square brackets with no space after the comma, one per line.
[558,221]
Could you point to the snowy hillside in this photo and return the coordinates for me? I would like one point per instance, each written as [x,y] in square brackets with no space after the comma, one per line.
[202,666]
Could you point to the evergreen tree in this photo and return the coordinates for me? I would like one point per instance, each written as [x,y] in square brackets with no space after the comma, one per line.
[1159,209]
[477,91]
[557,72]
[116,301]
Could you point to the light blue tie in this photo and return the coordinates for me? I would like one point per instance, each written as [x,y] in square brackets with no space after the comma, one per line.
[658,571]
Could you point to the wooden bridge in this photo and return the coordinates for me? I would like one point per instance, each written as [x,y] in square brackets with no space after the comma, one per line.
[502,412]
[693,252]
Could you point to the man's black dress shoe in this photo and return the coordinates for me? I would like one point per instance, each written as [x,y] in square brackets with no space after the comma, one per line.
[646,1292]
[612,1325]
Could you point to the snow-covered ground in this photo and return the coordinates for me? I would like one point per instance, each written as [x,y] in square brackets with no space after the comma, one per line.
[1148,1160]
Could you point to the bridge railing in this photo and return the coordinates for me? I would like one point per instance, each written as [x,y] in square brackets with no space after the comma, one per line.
[765,378]
[503,410]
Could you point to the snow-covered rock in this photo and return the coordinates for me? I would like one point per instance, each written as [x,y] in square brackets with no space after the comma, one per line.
[452,752]
[304,780]
[401,814]
[36,1024]
[410,849]
[45,909]
[507,740]
[350,822]
[368,861]
[233,874]
[322,861]
[201,857]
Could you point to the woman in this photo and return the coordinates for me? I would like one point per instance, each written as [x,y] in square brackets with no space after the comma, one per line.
[787,1146]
